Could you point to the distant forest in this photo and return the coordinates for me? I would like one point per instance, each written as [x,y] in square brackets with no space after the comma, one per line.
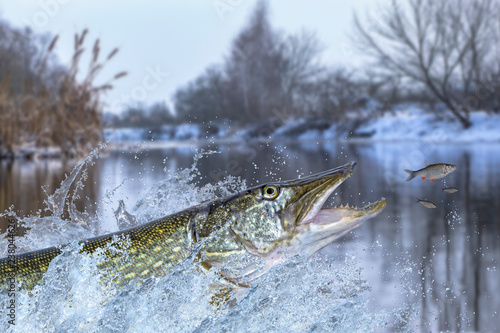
[443,54]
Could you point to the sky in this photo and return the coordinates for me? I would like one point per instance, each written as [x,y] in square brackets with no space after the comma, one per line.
[165,44]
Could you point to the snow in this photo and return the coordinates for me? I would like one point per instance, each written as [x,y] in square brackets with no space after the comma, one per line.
[182,132]
[187,131]
[406,123]
[124,134]
[409,123]
[415,125]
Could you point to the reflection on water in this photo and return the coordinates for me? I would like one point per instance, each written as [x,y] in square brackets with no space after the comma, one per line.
[22,185]
[443,261]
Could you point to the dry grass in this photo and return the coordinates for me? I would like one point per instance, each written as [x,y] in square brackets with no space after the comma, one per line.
[66,117]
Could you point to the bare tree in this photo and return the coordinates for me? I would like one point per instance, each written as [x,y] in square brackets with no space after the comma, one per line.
[300,70]
[337,92]
[252,68]
[264,70]
[203,100]
[441,44]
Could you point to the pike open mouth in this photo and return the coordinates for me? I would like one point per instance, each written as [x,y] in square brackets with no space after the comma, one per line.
[327,182]
[337,214]
[318,226]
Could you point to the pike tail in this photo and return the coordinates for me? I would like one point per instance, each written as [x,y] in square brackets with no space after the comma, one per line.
[412,174]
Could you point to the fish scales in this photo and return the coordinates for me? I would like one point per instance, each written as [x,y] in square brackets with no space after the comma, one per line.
[168,233]
[432,171]
[267,222]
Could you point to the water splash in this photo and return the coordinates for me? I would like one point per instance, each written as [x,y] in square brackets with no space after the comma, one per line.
[179,191]
[300,295]
[64,222]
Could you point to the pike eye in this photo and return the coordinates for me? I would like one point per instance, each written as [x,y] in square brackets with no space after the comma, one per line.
[270,192]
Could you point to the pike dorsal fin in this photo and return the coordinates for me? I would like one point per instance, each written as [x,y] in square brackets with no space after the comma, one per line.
[427,163]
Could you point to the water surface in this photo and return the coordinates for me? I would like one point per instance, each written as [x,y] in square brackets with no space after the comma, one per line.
[434,269]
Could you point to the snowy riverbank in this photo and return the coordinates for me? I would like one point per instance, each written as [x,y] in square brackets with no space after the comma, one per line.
[408,125]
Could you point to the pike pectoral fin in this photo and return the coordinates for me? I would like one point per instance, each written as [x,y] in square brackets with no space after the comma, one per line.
[423,178]
[244,243]
[227,295]
[432,179]
[222,297]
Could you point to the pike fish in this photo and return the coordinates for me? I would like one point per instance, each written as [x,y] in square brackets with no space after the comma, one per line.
[268,222]
[432,171]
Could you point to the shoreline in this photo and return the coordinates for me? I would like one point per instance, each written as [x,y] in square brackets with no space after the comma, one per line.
[42,154]
[413,125]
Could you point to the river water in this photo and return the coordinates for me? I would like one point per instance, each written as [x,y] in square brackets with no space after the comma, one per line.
[409,269]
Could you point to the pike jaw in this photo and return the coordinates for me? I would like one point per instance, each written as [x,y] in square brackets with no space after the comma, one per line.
[280,219]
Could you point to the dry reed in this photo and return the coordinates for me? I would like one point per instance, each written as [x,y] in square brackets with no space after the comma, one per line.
[66,118]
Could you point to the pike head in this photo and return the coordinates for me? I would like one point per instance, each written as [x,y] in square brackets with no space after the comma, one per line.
[276,220]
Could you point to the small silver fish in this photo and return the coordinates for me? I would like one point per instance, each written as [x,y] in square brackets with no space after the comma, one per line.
[450,190]
[432,171]
[426,203]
